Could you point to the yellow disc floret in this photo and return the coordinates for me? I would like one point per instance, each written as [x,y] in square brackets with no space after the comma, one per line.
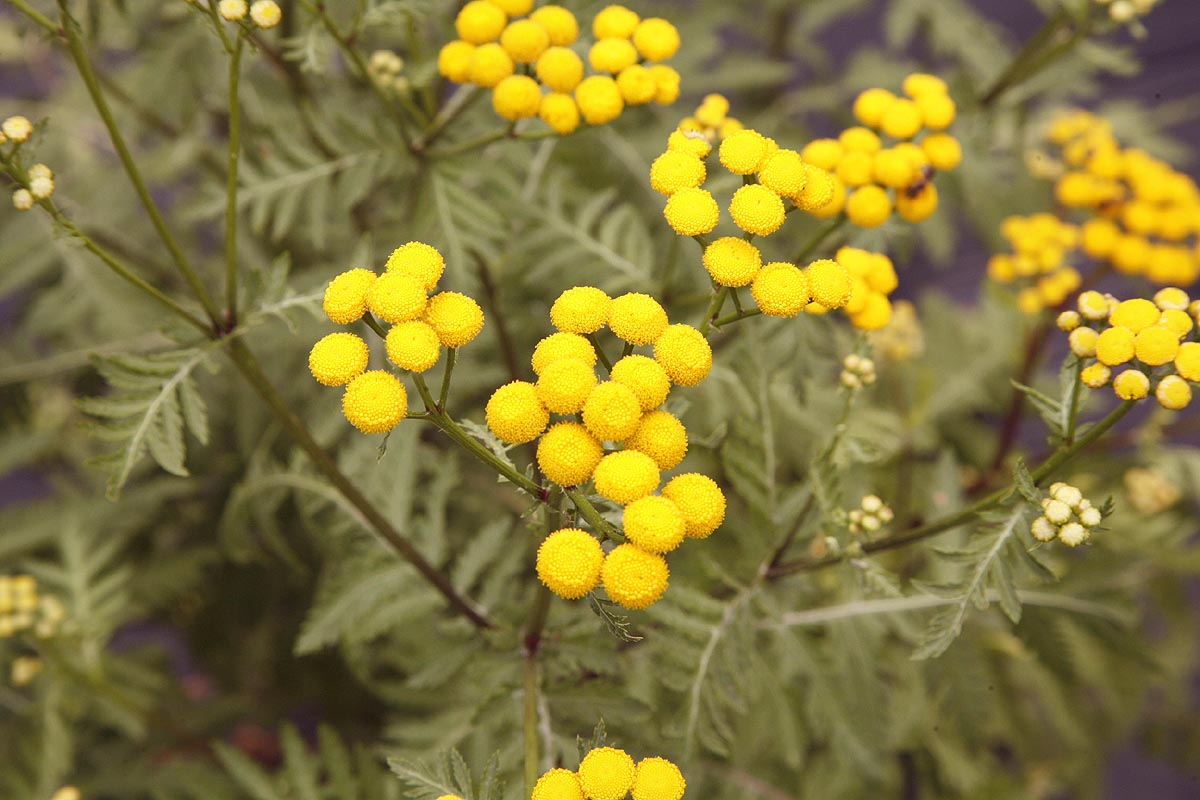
[1095,376]
[454,60]
[783,173]
[917,206]
[675,170]
[337,358]
[569,562]
[560,68]
[517,97]
[558,346]
[375,401]
[480,21]
[1135,314]
[645,377]
[567,454]
[661,436]
[612,55]
[564,385]
[1115,346]
[700,500]
[1187,361]
[871,104]
[732,261]
[943,151]
[901,120]
[822,153]
[1156,345]
[558,784]
[346,296]
[413,345]
[457,318]
[559,23]
[524,40]
[829,283]
[780,289]
[513,8]
[1131,384]
[580,309]
[560,112]
[599,99]
[419,260]
[615,21]
[684,353]
[515,414]
[612,412]
[692,212]
[1173,393]
[625,476]
[635,579]
[658,779]
[637,85]
[869,206]
[654,524]
[656,39]
[490,64]
[742,152]
[396,297]
[756,209]
[637,318]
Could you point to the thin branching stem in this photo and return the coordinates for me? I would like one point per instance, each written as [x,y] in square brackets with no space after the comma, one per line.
[231,182]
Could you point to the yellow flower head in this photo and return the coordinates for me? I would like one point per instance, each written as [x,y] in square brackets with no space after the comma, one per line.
[780,289]
[829,283]
[635,579]
[902,119]
[17,128]
[658,779]
[419,260]
[692,212]
[1156,345]
[666,84]
[918,206]
[1171,299]
[700,500]
[568,563]
[513,8]
[1135,314]
[1173,393]
[232,10]
[684,353]
[732,261]
[612,412]
[742,152]
[820,189]
[871,104]
[567,454]
[856,168]
[675,170]
[397,297]
[580,309]
[515,414]
[524,40]
[490,64]
[756,209]
[869,206]
[656,39]
[599,99]
[266,13]
[1083,342]
[653,523]
[480,21]
[645,377]
[1131,384]
[560,112]
[67,793]
[860,140]
[375,401]
[637,318]
[943,151]
[346,296]
[661,436]
[920,83]
[454,60]
[1095,376]
[822,153]
[615,21]
[457,318]
[612,55]
[1093,305]
[625,476]
[559,23]
[893,168]
[338,358]
[558,784]
[565,385]
[693,144]
[875,313]
[517,97]
[937,110]
[413,345]
[1187,361]
[560,68]
[783,173]
[558,346]
[1115,346]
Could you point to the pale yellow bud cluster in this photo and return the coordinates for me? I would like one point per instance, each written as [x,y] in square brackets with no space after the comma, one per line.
[871,515]
[22,609]
[1067,516]
[857,372]
[1127,11]
[384,67]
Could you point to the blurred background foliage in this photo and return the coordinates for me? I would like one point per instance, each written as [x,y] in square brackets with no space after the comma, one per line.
[232,631]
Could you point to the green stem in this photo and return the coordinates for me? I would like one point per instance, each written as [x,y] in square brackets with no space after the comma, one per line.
[820,237]
[470,144]
[75,45]
[374,325]
[422,389]
[35,15]
[533,640]
[1018,69]
[589,512]
[969,513]
[231,182]
[714,308]
[464,440]
[740,315]
[451,358]
[249,366]
[1073,402]
[459,102]
[591,337]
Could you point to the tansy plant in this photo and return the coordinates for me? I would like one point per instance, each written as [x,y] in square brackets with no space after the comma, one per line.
[380,320]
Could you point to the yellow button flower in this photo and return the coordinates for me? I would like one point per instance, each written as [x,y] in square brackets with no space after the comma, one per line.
[875,313]
[1131,384]
[419,260]
[524,40]
[835,205]
[666,84]
[901,120]
[1115,346]
[1177,321]
[756,209]
[732,261]
[856,168]
[783,173]
[457,318]
[567,454]
[692,212]
[413,346]
[871,104]
[396,297]
[1156,345]
[454,60]
[560,112]
[375,401]
[823,153]
[17,128]
[559,23]
[743,152]
[265,13]
[1095,376]
[637,318]
[645,377]
[1173,393]
[675,170]
[1171,298]
[635,579]
[346,296]
[560,68]
[829,283]
[338,358]
[869,206]
[558,784]
[780,289]
[654,524]
[693,144]
[517,97]
[937,110]
[893,168]
[656,39]
[1187,361]
[920,83]
[658,779]
[615,21]
[636,84]
[513,8]
[684,353]
[943,150]
[661,436]
[860,140]
[1135,314]
[515,414]
[490,64]
[569,563]
[819,189]
[599,99]
[919,206]
[480,21]
[612,55]
[558,346]
[580,309]
[1093,305]
[612,412]
[564,385]
[625,476]
[700,500]
[1083,342]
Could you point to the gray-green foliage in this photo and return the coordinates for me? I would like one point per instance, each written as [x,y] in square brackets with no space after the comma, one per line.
[231,595]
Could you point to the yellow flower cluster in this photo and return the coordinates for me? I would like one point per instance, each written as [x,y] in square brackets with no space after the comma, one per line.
[708,124]
[1148,335]
[872,280]
[624,409]
[607,773]
[375,401]
[22,609]
[531,60]
[1041,244]
[871,180]
[1143,216]
[1067,516]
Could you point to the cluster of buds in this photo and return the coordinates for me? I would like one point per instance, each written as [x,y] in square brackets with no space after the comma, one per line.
[36,183]
[857,372]
[871,515]
[1066,515]
[22,609]
[1127,11]
[264,13]
[384,67]
[24,670]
